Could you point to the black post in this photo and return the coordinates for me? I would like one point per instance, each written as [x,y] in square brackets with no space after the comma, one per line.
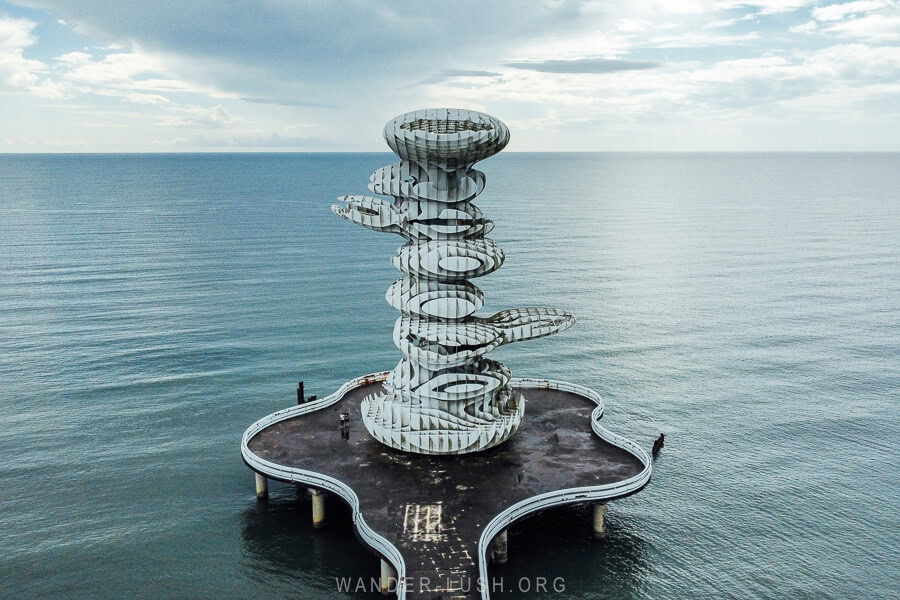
[300,393]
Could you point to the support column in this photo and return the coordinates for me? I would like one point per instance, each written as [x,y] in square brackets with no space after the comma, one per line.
[262,486]
[388,578]
[318,507]
[599,521]
[500,553]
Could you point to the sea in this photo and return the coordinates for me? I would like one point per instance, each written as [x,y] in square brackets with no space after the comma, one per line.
[747,305]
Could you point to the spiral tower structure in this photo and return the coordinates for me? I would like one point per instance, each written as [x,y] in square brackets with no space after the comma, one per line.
[445,396]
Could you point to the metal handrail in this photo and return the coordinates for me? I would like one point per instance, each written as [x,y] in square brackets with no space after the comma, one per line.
[568,496]
[498,523]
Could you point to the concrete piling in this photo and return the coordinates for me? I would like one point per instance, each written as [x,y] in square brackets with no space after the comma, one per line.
[262,486]
[500,552]
[599,520]
[318,507]
[388,578]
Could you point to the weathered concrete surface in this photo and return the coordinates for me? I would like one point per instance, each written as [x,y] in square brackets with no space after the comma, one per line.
[262,486]
[433,508]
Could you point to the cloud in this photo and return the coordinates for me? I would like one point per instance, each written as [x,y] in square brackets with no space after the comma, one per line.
[74,58]
[135,97]
[201,117]
[173,86]
[732,21]
[18,72]
[270,141]
[115,67]
[836,12]
[678,63]
[874,27]
[448,74]
[467,73]
[805,27]
[702,40]
[631,25]
[317,46]
[132,75]
[583,65]
[693,92]
[870,20]
[609,43]
[722,23]
[764,7]
[286,102]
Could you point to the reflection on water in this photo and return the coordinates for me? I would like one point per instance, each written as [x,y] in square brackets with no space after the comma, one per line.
[550,552]
[282,546]
[557,547]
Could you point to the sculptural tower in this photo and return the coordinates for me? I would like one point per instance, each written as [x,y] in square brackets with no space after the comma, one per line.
[445,396]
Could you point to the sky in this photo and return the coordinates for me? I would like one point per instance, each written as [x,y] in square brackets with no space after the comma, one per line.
[295,75]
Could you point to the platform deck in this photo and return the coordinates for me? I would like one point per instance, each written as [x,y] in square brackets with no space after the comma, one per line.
[434,508]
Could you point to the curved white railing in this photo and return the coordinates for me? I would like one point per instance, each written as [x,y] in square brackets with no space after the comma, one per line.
[317,480]
[592,493]
[498,523]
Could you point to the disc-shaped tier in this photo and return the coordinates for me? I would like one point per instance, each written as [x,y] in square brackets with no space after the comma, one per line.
[449,260]
[435,299]
[437,344]
[447,137]
[408,180]
[416,380]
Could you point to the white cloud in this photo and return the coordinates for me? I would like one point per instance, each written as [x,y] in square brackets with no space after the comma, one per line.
[193,116]
[47,88]
[100,124]
[805,27]
[18,72]
[764,7]
[162,85]
[136,76]
[595,43]
[849,75]
[74,58]
[551,120]
[719,24]
[843,97]
[836,12]
[680,6]
[848,65]
[700,40]
[867,20]
[729,22]
[136,97]
[116,67]
[876,27]
[169,74]
[631,25]
[288,138]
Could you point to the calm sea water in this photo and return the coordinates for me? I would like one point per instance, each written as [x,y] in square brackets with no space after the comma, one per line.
[748,305]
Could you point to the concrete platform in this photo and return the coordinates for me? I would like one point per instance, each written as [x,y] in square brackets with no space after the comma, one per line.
[435,510]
